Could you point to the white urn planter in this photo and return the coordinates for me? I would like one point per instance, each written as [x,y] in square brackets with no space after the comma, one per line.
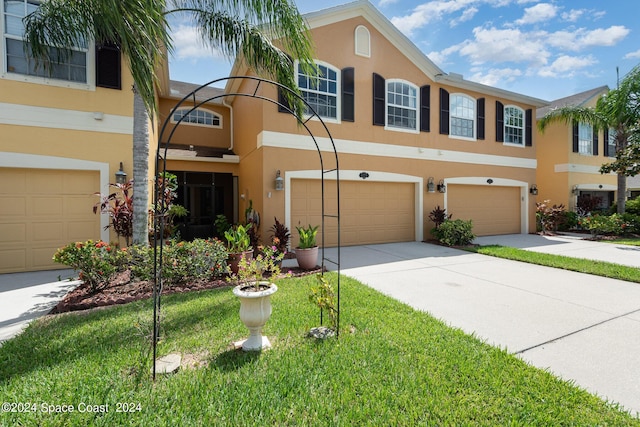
[255,310]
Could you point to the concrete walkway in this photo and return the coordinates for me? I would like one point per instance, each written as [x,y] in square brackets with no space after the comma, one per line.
[580,327]
[27,296]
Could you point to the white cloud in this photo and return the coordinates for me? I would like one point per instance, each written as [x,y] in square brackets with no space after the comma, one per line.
[467,15]
[566,66]
[581,38]
[428,12]
[496,76]
[573,15]
[383,3]
[633,55]
[538,13]
[440,58]
[188,44]
[505,45]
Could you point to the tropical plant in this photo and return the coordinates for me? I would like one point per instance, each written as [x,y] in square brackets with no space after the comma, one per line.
[548,217]
[238,239]
[141,30]
[323,296]
[307,236]
[618,110]
[96,262]
[119,206]
[221,224]
[455,232]
[280,235]
[168,185]
[439,215]
[252,271]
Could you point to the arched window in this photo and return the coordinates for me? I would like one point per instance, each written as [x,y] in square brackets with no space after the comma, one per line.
[514,125]
[463,116]
[320,90]
[197,117]
[402,105]
[363,41]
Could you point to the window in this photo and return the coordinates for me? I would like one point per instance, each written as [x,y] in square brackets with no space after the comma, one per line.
[513,125]
[363,41]
[72,68]
[320,90]
[402,105]
[585,139]
[197,117]
[463,115]
[611,143]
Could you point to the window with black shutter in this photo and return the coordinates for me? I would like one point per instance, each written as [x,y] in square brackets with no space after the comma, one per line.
[108,72]
[348,94]
[378,100]
[499,121]
[528,125]
[425,108]
[444,112]
[480,118]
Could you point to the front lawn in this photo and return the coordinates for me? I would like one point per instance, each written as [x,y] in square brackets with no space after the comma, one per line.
[391,366]
[631,241]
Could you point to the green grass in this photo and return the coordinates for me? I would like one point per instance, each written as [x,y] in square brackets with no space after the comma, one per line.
[598,268]
[391,366]
[631,241]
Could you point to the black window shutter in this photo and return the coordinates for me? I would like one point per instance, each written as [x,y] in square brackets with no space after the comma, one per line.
[480,118]
[425,108]
[284,106]
[378,100]
[348,94]
[595,141]
[528,124]
[499,122]
[444,112]
[575,137]
[605,143]
[108,66]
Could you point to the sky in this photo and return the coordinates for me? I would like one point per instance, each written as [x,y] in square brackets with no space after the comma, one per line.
[544,49]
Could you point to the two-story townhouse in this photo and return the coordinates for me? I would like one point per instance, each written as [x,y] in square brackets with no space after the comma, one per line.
[63,136]
[570,156]
[409,138]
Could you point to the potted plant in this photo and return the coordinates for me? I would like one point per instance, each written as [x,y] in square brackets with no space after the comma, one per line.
[238,246]
[254,291]
[307,250]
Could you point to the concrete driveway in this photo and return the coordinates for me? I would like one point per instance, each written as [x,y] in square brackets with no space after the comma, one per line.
[580,327]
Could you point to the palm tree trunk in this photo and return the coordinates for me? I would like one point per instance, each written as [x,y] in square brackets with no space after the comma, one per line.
[140,171]
[621,197]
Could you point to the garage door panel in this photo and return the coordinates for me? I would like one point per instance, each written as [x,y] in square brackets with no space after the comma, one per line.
[16,206]
[371,212]
[13,260]
[492,209]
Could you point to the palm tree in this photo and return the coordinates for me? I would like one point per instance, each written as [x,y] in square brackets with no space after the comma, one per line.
[619,111]
[141,30]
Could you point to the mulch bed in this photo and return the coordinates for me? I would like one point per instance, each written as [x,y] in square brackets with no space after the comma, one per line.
[122,290]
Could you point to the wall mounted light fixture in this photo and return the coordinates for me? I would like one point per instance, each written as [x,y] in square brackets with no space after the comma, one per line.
[574,189]
[533,190]
[441,187]
[431,187]
[279,182]
[121,176]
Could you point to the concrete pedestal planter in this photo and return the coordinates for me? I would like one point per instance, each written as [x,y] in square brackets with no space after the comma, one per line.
[307,258]
[255,310]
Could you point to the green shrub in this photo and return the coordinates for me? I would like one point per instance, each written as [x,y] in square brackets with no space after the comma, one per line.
[632,223]
[455,232]
[605,224]
[96,262]
[549,218]
[633,206]
[569,222]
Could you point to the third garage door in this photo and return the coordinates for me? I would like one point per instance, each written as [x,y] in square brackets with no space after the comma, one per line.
[493,210]
[371,212]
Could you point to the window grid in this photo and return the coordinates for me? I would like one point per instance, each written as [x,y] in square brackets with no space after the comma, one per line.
[197,117]
[585,139]
[320,91]
[72,67]
[463,116]
[402,101]
[514,125]
[612,142]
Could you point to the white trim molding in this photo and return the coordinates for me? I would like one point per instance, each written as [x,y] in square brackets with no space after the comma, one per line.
[573,167]
[34,161]
[354,175]
[497,182]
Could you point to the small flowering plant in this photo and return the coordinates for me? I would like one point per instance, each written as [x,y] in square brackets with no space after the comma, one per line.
[251,272]
[96,262]
[274,251]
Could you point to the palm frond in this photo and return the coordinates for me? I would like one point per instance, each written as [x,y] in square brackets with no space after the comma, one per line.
[569,114]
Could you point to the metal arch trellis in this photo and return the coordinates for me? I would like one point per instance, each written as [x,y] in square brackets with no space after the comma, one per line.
[159,203]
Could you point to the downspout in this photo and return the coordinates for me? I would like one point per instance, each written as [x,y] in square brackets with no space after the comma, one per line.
[224,102]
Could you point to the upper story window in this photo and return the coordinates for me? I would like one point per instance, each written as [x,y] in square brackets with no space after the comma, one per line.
[72,67]
[463,116]
[611,143]
[320,90]
[585,139]
[197,117]
[402,105]
[513,125]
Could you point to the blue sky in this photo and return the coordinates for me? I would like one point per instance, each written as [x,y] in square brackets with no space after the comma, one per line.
[545,49]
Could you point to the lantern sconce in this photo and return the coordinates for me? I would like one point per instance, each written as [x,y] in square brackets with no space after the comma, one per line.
[431,187]
[533,190]
[441,187]
[121,176]
[574,190]
[279,182]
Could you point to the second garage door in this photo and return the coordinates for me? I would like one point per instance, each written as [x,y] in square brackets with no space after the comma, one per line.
[42,210]
[493,210]
[371,212]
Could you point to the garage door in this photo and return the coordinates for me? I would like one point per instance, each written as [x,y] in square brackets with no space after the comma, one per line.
[494,210]
[371,212]
[42,210]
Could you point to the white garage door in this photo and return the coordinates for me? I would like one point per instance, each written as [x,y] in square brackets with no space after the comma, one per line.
[493,210]
[371,212]
[42,210]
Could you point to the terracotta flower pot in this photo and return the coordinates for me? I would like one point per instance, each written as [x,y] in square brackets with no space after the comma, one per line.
[255,310]
[307,258]
[234,259]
